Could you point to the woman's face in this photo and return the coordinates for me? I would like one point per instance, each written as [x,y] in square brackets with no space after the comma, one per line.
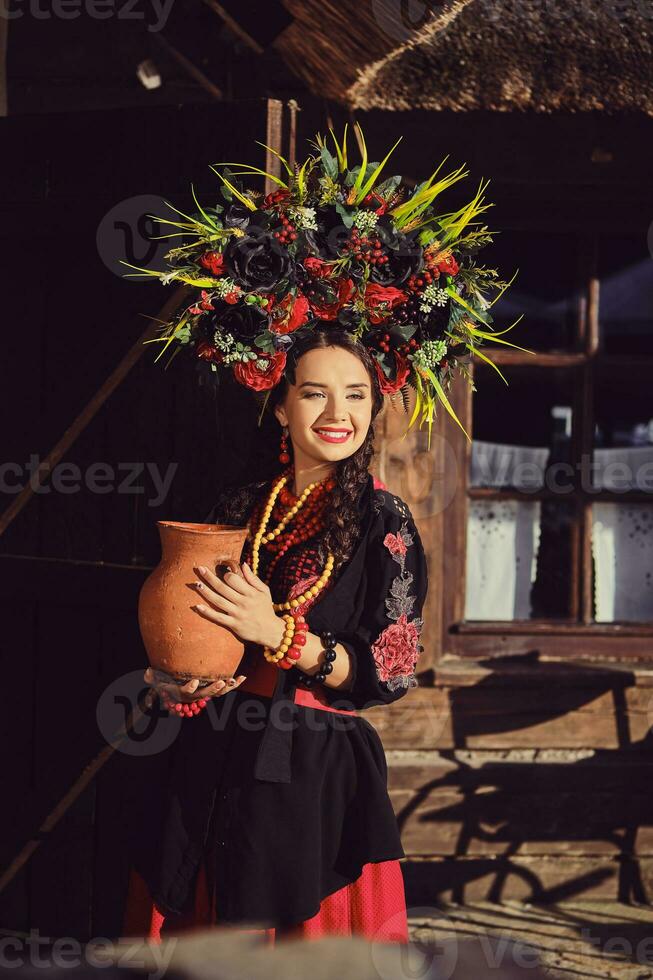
[329,408]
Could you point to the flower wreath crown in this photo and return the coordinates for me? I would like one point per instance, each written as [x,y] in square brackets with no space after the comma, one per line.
[335,246]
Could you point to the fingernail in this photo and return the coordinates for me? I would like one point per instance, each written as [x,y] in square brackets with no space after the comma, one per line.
[202,570]
[200,607]
[198,585]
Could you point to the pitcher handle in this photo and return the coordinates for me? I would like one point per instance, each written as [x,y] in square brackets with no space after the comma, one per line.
[231,564]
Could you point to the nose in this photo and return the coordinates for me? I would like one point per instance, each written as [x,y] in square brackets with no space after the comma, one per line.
[336,408]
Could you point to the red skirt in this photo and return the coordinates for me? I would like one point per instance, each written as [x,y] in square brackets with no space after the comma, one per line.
[373,906]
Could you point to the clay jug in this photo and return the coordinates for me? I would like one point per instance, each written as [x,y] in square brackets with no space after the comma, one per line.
[179,640]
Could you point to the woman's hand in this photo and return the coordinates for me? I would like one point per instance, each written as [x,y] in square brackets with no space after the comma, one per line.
[188,692]
[241,603]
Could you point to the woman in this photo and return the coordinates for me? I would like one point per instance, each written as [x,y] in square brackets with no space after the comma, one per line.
[286,824]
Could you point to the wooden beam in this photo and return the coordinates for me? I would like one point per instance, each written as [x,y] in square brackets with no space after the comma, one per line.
[189,67]
[234,26]
[273,139]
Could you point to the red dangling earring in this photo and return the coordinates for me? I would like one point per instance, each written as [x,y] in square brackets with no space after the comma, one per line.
[284,457]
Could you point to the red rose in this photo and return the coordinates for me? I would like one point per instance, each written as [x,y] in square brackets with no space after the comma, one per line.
[248,374]
[329,311]
[290,314]
[381,300]
[318,267]
[396,650]
[213,261]
[207,352]
[402,370]
[448,265]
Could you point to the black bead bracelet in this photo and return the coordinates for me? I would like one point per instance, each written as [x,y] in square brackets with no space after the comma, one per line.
[328,641]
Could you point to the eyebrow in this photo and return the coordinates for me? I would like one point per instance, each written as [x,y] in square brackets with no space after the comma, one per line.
[319,384]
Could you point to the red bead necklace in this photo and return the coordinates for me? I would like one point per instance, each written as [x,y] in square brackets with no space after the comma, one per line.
[305,524]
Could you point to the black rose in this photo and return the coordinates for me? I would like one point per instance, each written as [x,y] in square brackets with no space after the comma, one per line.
[237,215]
[244,321]
[349,320]
[385,230]
[327,240]
[432,323]
[405,259]
[257,262]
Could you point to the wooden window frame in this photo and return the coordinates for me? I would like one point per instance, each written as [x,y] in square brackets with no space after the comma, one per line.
[578,637]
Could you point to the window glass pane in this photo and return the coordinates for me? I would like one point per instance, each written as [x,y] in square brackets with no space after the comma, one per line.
[623,413]
[545,290]
[518,560]
[522,432]
[626,294]
[622,548]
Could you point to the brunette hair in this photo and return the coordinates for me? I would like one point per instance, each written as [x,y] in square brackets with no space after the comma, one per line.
[341,517]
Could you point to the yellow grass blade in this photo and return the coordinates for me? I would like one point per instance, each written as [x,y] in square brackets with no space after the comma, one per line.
[372,180]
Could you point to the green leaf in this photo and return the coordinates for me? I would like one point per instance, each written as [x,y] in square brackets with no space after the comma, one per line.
[346,216]
[389,186]
[445,401]
[329,163]
[478,353]
[208,220]
[283,160]
[361,173]
[369,184]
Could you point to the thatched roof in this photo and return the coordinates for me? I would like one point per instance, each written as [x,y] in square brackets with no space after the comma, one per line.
[501,55]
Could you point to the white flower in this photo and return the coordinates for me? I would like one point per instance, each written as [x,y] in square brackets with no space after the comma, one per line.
[304,218]
[365,221]
[433,296]
[225,286]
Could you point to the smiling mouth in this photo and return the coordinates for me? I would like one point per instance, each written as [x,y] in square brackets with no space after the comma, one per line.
[333,435]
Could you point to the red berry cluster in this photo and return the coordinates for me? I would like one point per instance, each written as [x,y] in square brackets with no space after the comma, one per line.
[425,278]
[287,233]
[365,249]
[409,346]
[382,341]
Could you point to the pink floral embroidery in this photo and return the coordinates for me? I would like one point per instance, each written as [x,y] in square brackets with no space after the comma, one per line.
[302,585]
[396,650]
[395,544]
